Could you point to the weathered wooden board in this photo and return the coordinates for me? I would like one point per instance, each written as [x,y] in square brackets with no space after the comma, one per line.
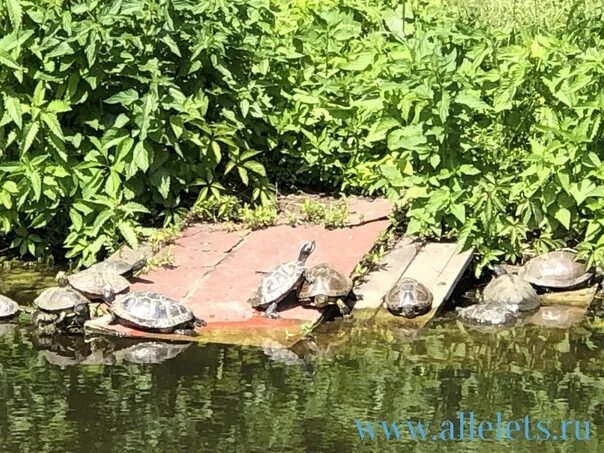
[389,270]
[578,298]
[439,267]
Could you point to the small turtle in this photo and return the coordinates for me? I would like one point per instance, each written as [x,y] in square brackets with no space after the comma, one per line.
[91,282]
[493,314]
[153,312]
[117,266]
[558,270]
[408,298]
[60,308]
[324,285]
[511,291]
[8,308]
[279,282]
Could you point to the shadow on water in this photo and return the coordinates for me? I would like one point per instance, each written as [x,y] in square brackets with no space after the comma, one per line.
[72,394]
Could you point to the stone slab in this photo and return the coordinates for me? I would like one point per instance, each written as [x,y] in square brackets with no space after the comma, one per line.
[216,272]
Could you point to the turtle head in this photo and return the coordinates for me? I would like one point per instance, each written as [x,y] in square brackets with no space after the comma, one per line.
[306,250]
[108,294]
[61,279]
[198,322]
[81,310]
[499,270]
[406,311]
[138,265]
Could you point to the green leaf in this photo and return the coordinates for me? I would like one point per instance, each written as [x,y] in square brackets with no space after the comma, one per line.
[50,119]
[471,98]
[30,137]
[255,167]
[359,62]
[36,183]
[58,107]
[6,60]
[15,12]
[129,234]
[171,44]
[6,199]
[13,107]
[141,157]
[563,216]
[112,185]
[243,175]
[125,97]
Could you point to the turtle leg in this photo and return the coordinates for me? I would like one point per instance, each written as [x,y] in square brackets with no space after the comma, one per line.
[187,332]
[344,309]
[113,318]
[271,311]
[61,318]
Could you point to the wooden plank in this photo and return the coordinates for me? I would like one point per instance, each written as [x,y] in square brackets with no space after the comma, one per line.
[578,298]
[390,269]
[439,267]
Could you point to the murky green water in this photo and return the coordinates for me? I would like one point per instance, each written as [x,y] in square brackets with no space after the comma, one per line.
[61,397]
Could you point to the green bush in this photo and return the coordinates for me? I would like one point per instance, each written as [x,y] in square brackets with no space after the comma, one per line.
[127,111]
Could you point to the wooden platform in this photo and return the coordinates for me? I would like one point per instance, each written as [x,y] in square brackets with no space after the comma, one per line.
[437,265]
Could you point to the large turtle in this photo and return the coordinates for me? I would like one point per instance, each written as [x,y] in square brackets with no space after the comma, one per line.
[511,291]
[8,308]
[91,282]
[558,270]
[60,309]
[153,312]
[117,266]
[408,298]
[279,282]
[324,285]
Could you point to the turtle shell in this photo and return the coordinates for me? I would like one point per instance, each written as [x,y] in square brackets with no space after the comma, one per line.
[151,310]
[117,267]
[408,298]
[91,283]
[512,291]
[326,281]
[58,299]
[8,307]
[557,269]
[278,283]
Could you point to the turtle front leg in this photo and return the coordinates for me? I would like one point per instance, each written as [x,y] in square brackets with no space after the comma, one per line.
[344,309]
[271,311]
[186,332]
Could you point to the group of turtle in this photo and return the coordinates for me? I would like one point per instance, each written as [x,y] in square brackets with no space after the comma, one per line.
[512,292]
[323,285]
[66,307]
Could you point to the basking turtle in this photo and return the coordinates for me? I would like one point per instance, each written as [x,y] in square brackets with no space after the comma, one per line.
[153,312]
[558,269]
[324,285]
[8,308]
[408,298]
[494,314]
[279,282]
[511,291]
[91,282]
[117,266]
[60,309]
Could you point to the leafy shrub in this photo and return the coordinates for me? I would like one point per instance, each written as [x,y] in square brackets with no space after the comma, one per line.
[125,111]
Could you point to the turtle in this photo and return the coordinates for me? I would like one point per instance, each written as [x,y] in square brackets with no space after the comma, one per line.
[323,285]
[557,270]
[90,282]
[279,282]
[494,314]
[117,266]
[151,311]
[408,298]
[9,309]
[510,290]
[60,308]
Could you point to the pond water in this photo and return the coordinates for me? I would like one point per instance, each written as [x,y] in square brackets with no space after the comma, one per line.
[71,395]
